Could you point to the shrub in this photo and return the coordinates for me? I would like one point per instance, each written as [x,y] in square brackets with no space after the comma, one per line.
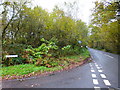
[48,62]
[70,50]
[13,61]
[43,50]
[66,47]
[18,60]
[9,49]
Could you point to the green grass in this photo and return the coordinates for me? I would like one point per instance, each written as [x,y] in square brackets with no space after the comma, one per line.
[73,57]
[84,54]
[25,69]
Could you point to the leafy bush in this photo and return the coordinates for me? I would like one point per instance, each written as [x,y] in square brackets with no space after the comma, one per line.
[48,62]
[43,50]
[70,50]
[37,55]
[9,49]
[13,61]
[85,53]
[66,47]
[18,60]
[44,55]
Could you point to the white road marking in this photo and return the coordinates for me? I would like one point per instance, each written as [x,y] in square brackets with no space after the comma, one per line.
[107,82]
[95,81]
[97,88]
[100,70]
[91,66]
[109,56]
[103,75]
[92,71]
[94,76]
[98,67]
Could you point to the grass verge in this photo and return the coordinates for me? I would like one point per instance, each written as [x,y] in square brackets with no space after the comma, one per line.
[25,70]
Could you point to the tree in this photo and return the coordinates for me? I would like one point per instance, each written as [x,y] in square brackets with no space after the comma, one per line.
[105,26]
[28,25]
[11,11]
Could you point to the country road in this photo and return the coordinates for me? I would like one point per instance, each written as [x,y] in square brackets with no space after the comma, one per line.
[102,72]
[107,66]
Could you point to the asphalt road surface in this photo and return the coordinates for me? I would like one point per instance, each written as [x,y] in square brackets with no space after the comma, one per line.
[102,72]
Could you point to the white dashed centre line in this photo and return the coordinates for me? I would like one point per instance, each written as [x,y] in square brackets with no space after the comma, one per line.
[100,71]
[94,76]
[107,82]
[97,88]
[98,67]
[95,81]
[92,71]
[91,67]
[103,75]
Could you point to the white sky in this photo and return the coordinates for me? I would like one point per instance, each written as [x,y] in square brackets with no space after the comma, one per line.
[84,6]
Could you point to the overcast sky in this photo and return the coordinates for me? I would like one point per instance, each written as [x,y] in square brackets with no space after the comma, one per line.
[85,6]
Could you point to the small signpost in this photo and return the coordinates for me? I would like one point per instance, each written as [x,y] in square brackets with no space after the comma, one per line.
[7,56]
[79,41]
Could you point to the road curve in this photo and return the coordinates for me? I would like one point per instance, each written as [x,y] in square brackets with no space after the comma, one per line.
[109,65]
[102,72]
